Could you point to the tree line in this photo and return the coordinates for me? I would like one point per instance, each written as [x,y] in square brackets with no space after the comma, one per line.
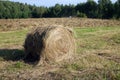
[104,9]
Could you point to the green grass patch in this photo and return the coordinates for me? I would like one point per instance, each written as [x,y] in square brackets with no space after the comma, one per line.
[18,66]
[116,38]
[12,37]
[96,37]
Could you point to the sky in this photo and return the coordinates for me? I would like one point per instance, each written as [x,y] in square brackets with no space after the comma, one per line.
[49,3]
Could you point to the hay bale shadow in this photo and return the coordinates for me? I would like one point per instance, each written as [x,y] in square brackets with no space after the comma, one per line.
[12,54]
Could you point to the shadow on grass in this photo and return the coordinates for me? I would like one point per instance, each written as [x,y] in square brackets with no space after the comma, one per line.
[12,54]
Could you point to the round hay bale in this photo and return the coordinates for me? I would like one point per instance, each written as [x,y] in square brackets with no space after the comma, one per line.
[49,44]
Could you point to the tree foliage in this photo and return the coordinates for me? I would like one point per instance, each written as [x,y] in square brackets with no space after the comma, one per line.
[117,9]
[104,9]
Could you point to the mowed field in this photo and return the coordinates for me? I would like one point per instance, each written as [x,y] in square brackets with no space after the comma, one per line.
[97,54]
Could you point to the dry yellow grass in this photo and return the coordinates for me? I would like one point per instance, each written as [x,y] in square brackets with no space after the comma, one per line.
[13,24]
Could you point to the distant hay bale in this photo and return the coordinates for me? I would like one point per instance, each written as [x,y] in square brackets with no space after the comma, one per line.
[49,44]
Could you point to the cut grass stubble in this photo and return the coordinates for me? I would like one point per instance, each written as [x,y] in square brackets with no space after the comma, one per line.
[98,52]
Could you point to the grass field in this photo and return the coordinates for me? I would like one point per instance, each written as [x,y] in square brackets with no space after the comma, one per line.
[97,56]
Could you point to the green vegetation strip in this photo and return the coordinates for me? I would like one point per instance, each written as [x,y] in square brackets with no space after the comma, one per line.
[10,38]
